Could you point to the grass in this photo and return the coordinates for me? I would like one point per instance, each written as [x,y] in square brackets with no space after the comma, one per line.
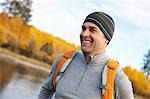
[23,63]
[140,97]
[23,58]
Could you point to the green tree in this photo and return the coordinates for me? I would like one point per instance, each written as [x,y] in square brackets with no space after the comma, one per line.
[146,62]
[20,8]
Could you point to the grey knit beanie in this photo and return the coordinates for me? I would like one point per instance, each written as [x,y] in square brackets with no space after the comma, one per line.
[104,22]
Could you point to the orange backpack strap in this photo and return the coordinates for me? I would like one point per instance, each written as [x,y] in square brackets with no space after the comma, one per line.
[112,66]
[66,56]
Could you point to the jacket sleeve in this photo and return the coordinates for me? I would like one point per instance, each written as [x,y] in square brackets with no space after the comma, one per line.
[46,89]
[123,86]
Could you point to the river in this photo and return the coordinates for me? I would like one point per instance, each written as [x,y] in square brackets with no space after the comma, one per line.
[21,87]
[18,81]
[16,84]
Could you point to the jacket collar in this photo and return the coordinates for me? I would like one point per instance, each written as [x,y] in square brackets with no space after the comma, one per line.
[97,59]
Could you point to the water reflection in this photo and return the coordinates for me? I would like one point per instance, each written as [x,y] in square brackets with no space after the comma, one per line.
[19,82]
[21,87]
[6,74]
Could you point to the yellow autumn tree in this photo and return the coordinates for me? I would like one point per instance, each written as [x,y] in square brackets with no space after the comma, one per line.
[4,20]
[6,36]
[140,82]
[31,41]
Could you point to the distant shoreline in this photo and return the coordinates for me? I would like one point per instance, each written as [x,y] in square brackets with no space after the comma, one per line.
[23,62]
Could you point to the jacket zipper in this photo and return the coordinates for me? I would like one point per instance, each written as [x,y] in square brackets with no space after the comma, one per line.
[81,79]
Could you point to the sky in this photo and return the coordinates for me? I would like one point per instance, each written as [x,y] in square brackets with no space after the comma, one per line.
[131,40]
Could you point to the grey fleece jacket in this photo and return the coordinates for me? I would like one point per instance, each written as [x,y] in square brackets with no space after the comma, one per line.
[81,80]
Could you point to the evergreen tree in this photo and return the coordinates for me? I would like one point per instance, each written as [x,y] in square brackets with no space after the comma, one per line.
[146,60]
[20,8]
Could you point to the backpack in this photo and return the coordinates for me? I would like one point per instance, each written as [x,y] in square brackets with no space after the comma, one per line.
[108,74]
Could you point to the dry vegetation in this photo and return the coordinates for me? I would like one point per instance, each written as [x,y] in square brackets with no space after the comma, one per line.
[23,63]
[140,83]
[27,40]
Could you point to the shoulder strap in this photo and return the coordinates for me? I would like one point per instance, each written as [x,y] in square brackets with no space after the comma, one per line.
[108,77]
[62,65]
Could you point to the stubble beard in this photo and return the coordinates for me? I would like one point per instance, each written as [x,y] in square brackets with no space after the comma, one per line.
[87,44]
[87,49]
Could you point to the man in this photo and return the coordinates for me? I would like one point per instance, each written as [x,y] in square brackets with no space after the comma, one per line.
[82,78]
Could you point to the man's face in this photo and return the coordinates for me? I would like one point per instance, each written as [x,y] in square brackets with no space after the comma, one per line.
[92,39]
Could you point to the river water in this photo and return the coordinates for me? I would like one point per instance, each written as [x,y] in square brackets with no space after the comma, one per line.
[21,87]
[19,83]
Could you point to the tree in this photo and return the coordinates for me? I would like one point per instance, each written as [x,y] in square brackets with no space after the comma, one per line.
[146,60]
[47,48]
[21,8]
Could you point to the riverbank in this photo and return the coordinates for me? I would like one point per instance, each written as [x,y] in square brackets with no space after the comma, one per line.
[27,64]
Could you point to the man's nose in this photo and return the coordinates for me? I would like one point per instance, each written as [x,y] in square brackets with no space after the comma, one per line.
[85,33]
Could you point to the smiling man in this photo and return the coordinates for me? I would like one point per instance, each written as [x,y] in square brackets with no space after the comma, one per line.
[90,74]
[92,39]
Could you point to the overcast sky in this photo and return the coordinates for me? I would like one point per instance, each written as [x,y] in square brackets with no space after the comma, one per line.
[131,40]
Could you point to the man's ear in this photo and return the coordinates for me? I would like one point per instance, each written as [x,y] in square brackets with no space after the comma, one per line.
[106,41]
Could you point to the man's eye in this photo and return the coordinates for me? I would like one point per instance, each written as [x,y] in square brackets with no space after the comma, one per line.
[83,28]
[92,30]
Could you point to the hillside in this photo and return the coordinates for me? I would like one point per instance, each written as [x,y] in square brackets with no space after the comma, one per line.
[24,39]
